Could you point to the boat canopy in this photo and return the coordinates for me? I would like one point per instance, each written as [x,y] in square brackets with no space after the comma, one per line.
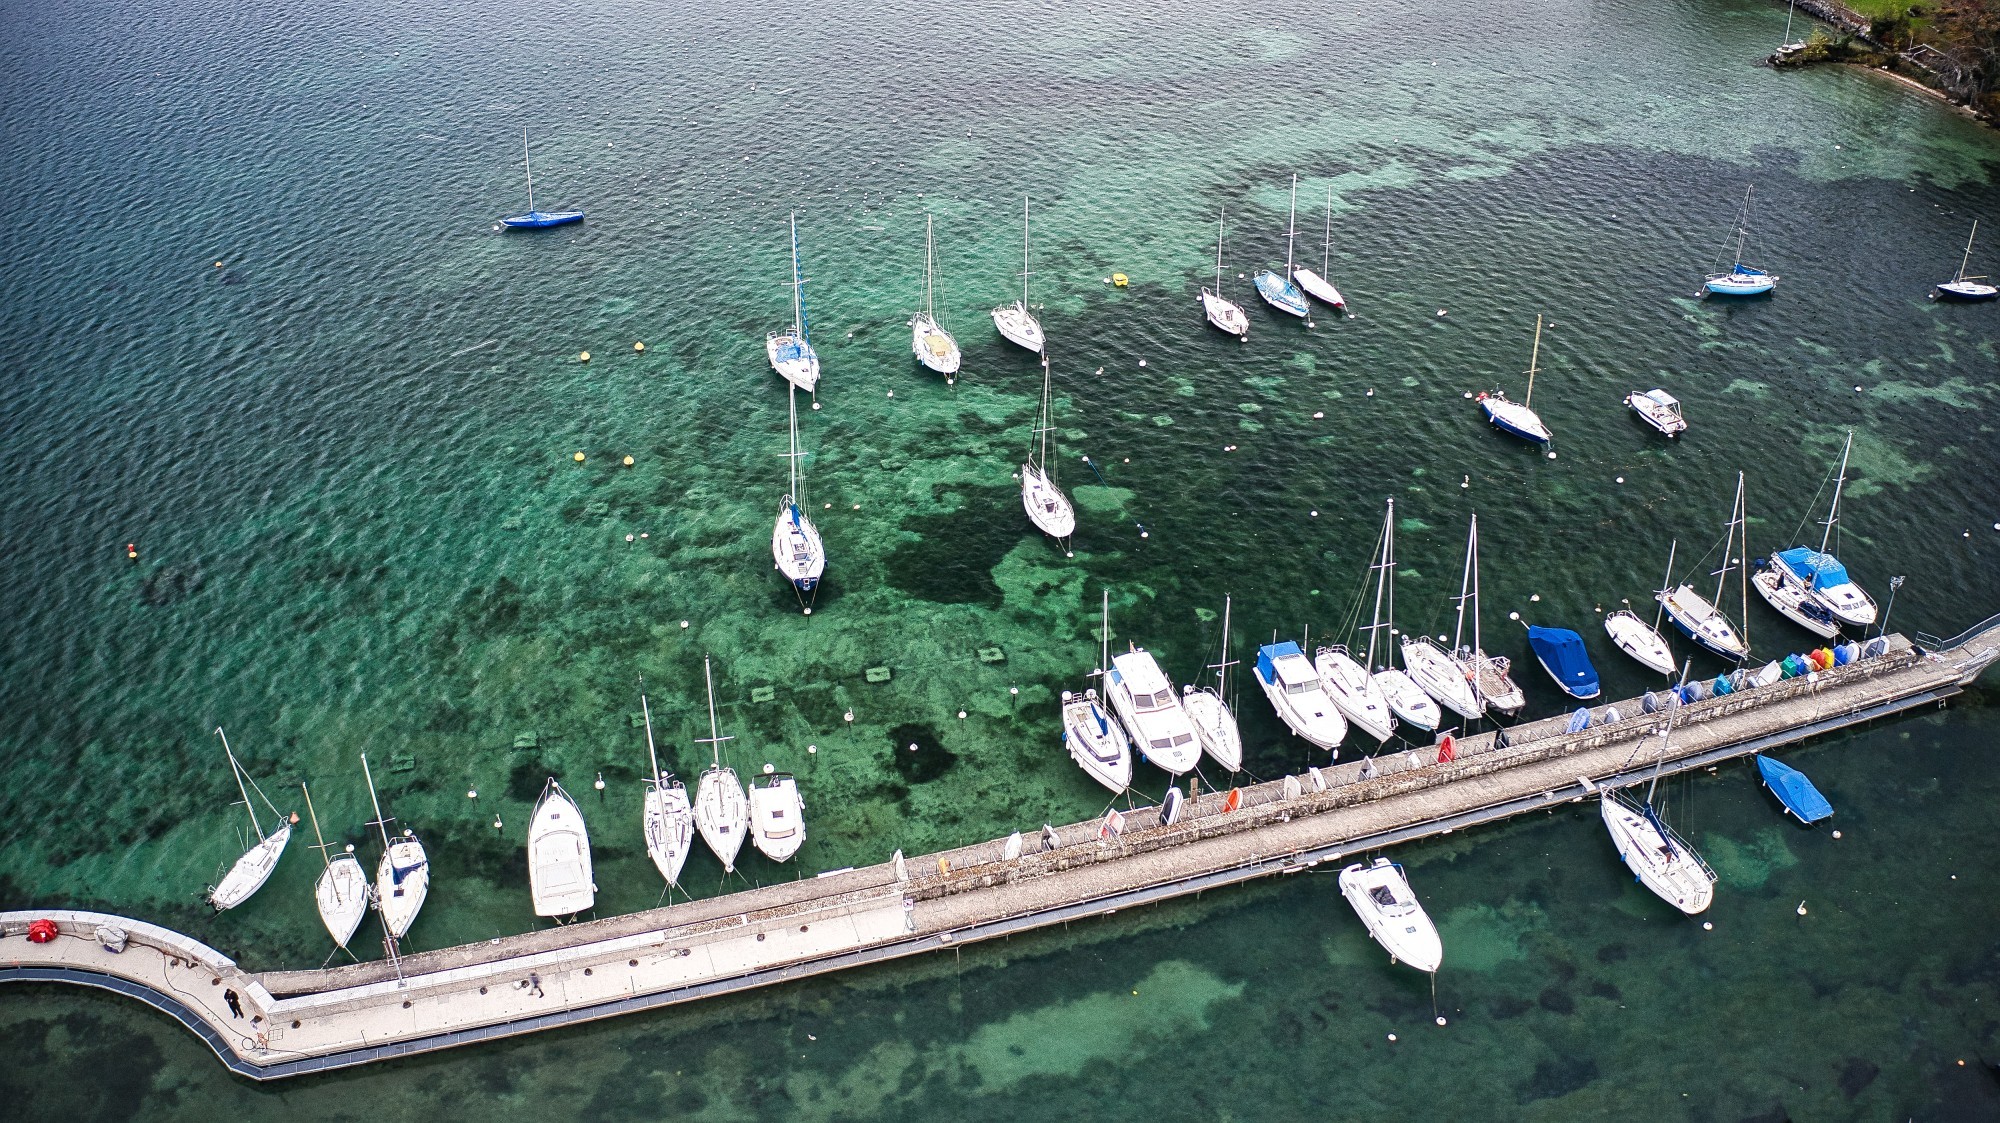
[1561,651]
[1823,571]
[1661,397]
[1269,654]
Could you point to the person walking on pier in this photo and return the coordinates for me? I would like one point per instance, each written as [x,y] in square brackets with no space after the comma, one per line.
[535,981]
[235,1003]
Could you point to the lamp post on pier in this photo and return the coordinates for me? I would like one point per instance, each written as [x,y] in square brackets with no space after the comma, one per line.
[1894,584]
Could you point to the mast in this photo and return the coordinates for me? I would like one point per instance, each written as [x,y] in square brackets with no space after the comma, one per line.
[1743,560]
[1464,583]
[1024,253]
[1666,583]
[1833,512]
[1472,548]
[797,480]
[1666,735]
[715,737]
[1042,430]
[1326,246]
[1222,667]
[798,286]
[249,808]
[1729,542]
[1218,257]
[1292,226]
[530,167]
[1104,634]
[1382,578]
[1789,11]
[380,822]
[1534,359]
[928,302]
[1743,225]
[652,756]
[1964,262]
[314,816]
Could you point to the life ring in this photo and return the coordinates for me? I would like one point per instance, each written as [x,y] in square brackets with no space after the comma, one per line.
[43,931]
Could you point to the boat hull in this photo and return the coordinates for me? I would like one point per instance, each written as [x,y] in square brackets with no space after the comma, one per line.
[796,549]
[1794,604]
[793,358]
[1515,419]
[1225,315]
[402,883]
[342,895]
[1281,294]
[1381,896]
[541,220]
[1741,282]
[1354,693]
[1703,623]
[1638,639]
[1308,711]
[1096,741]
[1018,326]
[1319,288]
[1665,866]
[722,814]
[1047,507]
[667,823]
[1215,726]
[1442,679]
[249,872]
[933,346]
[559,870]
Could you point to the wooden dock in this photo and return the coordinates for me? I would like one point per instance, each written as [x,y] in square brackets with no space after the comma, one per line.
[295,1022]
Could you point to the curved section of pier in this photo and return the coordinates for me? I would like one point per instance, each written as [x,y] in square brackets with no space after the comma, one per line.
[287,1023]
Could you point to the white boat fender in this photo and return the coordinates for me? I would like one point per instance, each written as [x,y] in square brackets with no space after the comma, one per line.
[112,938]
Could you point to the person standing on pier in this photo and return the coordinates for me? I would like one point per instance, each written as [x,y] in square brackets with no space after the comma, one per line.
[235,1003]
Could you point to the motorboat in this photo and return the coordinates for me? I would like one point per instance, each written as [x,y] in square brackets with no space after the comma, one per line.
[1818,573]
[777,815]
[1381,897]
[791,351]
[559,871]
[1562,655]
[1354,692]
[929,341]
[1297,694]
[532,219]
[1016,322]
[1640,640]
[1225,314]
[1659,409]
[1145,701]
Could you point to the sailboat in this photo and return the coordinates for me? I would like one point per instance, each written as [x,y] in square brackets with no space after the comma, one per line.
[668,818]
[253,869]
[1316,284]
[1277,289]
[1095,742]
[533,219]
[1741,280]
[1404,696]
[777,814]
[1048,508]
[1702,620]
[1224,313]
[796,549]
[1381,897]
[1145,701]
[1659,858]
[1961,286]
[1640,640]
[1208,708]
[1818,575]
[403,877]
[342,888]
[1515,417]
[1491,675]
[1017,321]
[933,346]
[721,811]
[559,873]
[1439,674]
[1297,694]
[791,351]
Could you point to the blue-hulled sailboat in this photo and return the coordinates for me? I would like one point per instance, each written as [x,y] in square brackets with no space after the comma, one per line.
[534,219]
[1515,417]
[1701,619]
[1741,280]
[791,351]
[1562,655]
[1793,790]
[1818,576]
[1277,289]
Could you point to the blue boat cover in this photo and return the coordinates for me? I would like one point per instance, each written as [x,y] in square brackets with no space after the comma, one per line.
[1794,790]
[1722,685]
[1580,720]
[1846,653]
[1270,653]
[1561,652]
[1822,571]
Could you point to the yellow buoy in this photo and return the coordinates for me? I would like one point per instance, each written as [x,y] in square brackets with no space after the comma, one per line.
[578,458]
[585,356]
[628,462]
[638,347]
[1119,279]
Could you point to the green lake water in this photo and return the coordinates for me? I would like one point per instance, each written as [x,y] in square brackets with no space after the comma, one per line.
[345,457]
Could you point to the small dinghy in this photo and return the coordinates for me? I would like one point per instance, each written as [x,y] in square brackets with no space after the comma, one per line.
[559,873]
[1741,279]
[1562,655]
[1316,285]
[1797,793]
[721,811]
[1354,692]
[1208,709]
[1298,696]
[791,351]
[403,876]
[249,872]
[533,219]
[667,820]
[777,814]
[1171,806]
[342,889]
[1225,314]
[1096,742]
[1516,418]
[929,341]
[1640,640]
[1145,701]
[1016,322]
[1659,409]
[1381,897]
[1277,289]
[1962,286]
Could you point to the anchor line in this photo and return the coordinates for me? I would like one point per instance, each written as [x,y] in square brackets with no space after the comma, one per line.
[1102,483]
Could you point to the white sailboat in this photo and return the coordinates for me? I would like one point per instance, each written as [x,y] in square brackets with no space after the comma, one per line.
[253,869]
[559,872]
[668,818]
[1317,285]
[1961,286]
[1491,675]
[1659,858]
[1405,697]
[1224,313]
[777,814]
[1353,691]
[1145,701]
[1703,620]
[791,351]
[1794,601]
[796,549]
[929,341]
[1298,695]
[1517,418]
[1381,896]
[1208,708]
[403,876]
[1818,574]
[1048,508]
[342,888]
[1277,289]
[1741,280]
[1095,741]
[721,810]
[1640,640]
[1016,322]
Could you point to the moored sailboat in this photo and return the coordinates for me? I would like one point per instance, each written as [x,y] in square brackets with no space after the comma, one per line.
[1491,676]
[667,820]
[791,350]
[1317,285]
[1041,497]
[1640,640]
[249,872]
[1701,619]
[1095,741]
[721,809]
[1224,313]
[1277,289]
[403,876]
[1818,576]
[532,219]
[1016,322]
[1961,286]
[1405,697]
[1517,418]
[929,341]
[796,549]
[341,891]
[1659,859]
[1741,279]
[1208,709]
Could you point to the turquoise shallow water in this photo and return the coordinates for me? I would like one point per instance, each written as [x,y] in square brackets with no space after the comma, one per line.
[345,457]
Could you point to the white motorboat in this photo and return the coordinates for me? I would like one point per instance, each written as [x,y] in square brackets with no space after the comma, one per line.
[1489,675]
[1701,619]
[1794,602]
[1353,692]
[1381,896]
[1962,286]
[1208,709]
[796,549]
[777,815]
[1095,741]
[1441,678]
[1048,508]
[1640,640]
[721,809]
[1741,279]
[1517,418]
[403,876]
[1224,313]
[1145,701]
[1317,285]
[1016,322]
[1297,694]
[929,341]
[341,890]
[667,819]
[1819,574]
[791,350]
[1659,409]
[249,872]
[1406,699]
[1276,288]
[559,874]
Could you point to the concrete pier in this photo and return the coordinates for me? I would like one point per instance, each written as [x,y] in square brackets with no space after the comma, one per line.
[294,1022]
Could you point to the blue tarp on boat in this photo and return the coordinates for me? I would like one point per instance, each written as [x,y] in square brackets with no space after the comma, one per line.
[1580,720]
[1821,571]
[1794,790]
[1271,653]
[1722,685]
[1562,656]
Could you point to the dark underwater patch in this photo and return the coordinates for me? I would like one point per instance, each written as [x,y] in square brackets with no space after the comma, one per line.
[924,762]
[953,562]
[163,587]
[1856,1075]
[1558,1077]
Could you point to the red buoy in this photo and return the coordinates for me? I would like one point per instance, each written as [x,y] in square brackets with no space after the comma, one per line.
[42,931]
